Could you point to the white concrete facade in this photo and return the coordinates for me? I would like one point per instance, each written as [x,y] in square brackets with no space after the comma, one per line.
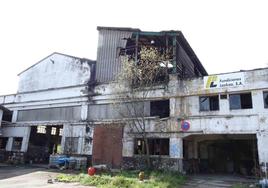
[61,81]
[58,81]
[184,105]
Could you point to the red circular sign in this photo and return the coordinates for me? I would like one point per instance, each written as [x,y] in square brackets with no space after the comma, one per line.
[185,125]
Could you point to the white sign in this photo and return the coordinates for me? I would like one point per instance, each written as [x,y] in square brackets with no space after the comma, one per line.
[224,80]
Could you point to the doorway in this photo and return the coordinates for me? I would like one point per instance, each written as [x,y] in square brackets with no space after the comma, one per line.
[222,154]
[44,141]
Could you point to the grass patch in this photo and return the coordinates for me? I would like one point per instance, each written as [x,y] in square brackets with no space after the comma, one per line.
[127,179]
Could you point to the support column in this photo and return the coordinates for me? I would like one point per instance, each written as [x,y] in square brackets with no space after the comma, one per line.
[128,147]
[136,47]
[14,116]
[9,144]
[174,46]
[25,140]
[176,152]
[1,115]
[195,149]
[84,111]
[172,107]
[262,138]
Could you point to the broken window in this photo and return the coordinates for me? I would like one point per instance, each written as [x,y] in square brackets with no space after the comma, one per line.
[209,103]
[53,131]
[223,96]
[71,145]
[17,142]
[159,108]
[240,101]
[7,116]
[3,142]
[265,99]
[157,146]
[60,133]
[41,129]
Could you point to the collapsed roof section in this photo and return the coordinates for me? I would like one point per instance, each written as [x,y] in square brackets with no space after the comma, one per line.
[114,42]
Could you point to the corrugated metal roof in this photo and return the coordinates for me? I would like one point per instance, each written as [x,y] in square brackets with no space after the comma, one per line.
[118,28]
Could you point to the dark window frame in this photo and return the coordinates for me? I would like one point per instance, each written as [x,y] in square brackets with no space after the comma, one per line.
[157,146]
[164,112]
[17,143]
[3,143]
[209,101]
[265,99]
[238,101]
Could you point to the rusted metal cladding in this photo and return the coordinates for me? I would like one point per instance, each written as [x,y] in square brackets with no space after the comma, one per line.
[109,45]
[107,145]
[50,114]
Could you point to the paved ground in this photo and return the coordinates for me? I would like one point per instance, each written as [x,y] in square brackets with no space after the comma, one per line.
[26,177]
[216,181]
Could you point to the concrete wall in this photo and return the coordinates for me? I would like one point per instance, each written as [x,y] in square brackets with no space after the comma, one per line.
[52,92]
[71,90]
[55,71]
[20,131]
[83,132]
[184,105]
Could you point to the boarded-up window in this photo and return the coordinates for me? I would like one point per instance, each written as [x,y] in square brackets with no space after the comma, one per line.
[17,142]
[107,145]
[71,145]
[47,114]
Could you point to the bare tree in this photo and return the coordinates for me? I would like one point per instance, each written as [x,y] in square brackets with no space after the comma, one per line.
[135,84]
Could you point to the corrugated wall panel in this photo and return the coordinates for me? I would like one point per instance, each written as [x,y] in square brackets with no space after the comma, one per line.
[107,61]
[184,59]
[50,114]
[111,111]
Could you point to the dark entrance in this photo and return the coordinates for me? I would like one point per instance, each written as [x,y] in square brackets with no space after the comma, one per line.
[44,140]
[231,154]
[107,145]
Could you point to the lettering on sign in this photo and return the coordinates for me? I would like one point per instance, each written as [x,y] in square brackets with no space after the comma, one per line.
[224,80]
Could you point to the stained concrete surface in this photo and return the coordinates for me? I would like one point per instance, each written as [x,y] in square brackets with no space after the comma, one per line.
[217,181]
[31,177]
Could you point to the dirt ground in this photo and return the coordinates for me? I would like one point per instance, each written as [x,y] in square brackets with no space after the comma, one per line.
[31,177]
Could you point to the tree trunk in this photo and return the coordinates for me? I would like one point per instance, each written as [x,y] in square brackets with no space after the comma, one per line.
[147,153]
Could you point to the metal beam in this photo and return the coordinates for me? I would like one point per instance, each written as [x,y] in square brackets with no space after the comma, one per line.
[174,47]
